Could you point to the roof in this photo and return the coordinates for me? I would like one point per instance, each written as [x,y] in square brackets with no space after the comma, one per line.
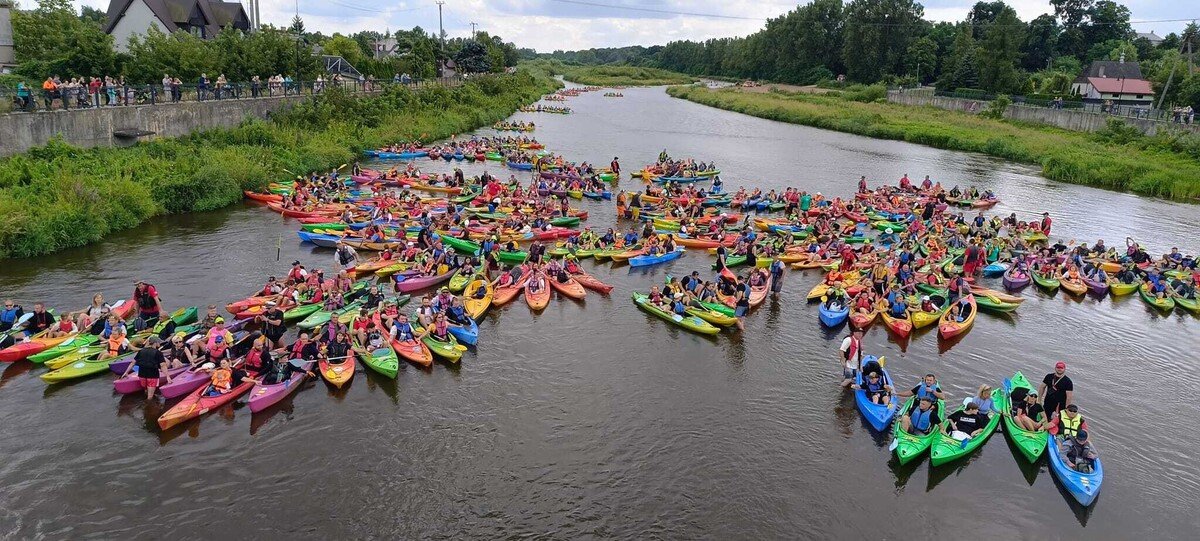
[1113,69]
[1121,86]
[1154,38]
[174,13]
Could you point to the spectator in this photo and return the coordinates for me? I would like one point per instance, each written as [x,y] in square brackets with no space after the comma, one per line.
[255,84]
[110,91]
[176,89]
[396,78]
[202,87]
[129,92]
[1191,114]
[24,96]
[94,91]
[49,92]
[288,85]
[405,79]
[221,87]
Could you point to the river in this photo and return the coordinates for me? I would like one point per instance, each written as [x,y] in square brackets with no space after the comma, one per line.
[593,419]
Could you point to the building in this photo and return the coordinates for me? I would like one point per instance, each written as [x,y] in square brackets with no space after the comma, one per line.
[202,18]
[1117,81]
[1153,38]
[7,59]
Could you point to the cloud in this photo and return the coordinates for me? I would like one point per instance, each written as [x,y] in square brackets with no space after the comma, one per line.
[547,25]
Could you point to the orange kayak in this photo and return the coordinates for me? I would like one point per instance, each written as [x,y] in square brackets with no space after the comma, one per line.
[591,282]
[338,374]
[537,291]
[571,288]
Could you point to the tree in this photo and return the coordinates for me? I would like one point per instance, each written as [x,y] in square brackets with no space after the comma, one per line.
[877,35]
[473,58]
[1124,50]
[1071,12]
[1041,43]
[982,15]
[921,59]
[53,40]
[1000,52]
[89,13]
[342,46]
[1107,20]
[959,71]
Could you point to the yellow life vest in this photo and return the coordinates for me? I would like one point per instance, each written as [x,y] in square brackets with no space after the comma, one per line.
[1069,427]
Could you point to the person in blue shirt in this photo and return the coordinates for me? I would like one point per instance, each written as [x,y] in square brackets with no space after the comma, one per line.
[899,307]
[921,420]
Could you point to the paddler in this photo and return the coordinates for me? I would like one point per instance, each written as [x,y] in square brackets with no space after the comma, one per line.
[927,388]
[878,391]
[148,303]
[224,377]
[11,313]
[114,338]
[966,423]
[1027,412]
[922,418]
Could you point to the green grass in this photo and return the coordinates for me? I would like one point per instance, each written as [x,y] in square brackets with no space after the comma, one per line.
[612,75]
[59,196]
[1166,166]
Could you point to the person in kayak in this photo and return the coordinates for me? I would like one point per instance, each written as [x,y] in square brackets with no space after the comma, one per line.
[1057,390]
[149,305]
[1068,423]
[878,391]
[224,378]
[114,337]
[928,388]
[1078,453]
[1026,411]
[966,423]
[41,321]
[339,349]
[921,419]
[11,313]
[983,399]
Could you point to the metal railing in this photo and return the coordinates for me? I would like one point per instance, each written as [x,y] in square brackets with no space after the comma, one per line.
[79,98]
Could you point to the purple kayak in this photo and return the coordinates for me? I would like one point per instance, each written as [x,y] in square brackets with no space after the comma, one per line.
[416,283]
[133,384]
[1014,279]
[184,383]
[1099,288]
[265,396]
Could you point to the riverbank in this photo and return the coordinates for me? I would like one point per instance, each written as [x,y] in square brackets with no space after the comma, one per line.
[610,75]
[1161,166]
[59,196]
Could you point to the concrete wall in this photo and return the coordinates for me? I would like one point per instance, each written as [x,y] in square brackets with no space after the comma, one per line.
[137,21]
[95,127]
[1063,118]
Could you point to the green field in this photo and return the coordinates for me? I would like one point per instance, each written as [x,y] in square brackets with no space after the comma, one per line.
[59,196]
[1118,158]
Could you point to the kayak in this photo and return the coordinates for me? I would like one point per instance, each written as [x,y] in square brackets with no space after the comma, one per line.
[591,282]
[1049,283]
[859,320]
[512,258]
[264,396]
[909,446]
[35,345]
[67,346]
[647,260]
[946,448]
[832,317]
[416,283]
[1166,304]
[321,317]
[197,404]
[718,307]
[950,329]
[569,221]
[474,304]
[458,281]
[878,415]
[82,368]
[1084,487]
[300,312]
[995,269]
[690,322]
[902,327]
[382,360]
[994,304]
[758,294]
[463,246]
[132,383]
[339,374]
[467,333]
[447,350]
[1191,305]
[1073,287]
[1119,288]
[1097,287]
[537,300]
[1031,444]
[571,288]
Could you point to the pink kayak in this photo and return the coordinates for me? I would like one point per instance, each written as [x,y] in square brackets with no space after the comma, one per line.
[416,283]
[132,383]
[184,383]
[265,396]
[198,403]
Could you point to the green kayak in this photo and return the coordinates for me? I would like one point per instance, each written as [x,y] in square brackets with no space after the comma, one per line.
[993,304]
[568,221]
[300,312]
[894,226]
[910,446]
[466,196]
[1191,305]
[1049,283]
[946,448]
[382,360]
[327,226]
[732,261]
[447,350]
[1166,304]
[607,177]
[82,368]
[459,281]
[691,323]
[512,258]
[494,156]
[717,307]
[462,246]
[1031,444]
[491,215]
[321,317]
[854,240]
[182,316]
[776,207]
[70,345]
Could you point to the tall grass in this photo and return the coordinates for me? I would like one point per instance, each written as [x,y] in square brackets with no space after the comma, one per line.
[58,196]
[1164,166]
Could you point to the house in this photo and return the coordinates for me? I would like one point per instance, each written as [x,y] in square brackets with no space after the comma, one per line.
[1153,38]
[1117,81]
[202,18]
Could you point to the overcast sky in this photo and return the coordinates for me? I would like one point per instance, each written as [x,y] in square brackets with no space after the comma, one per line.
[547,25]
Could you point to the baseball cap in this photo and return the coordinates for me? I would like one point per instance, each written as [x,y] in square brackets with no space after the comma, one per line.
[1060,365]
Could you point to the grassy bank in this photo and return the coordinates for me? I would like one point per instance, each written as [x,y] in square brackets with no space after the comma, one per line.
[59,196]
[1165,166]
[611,75]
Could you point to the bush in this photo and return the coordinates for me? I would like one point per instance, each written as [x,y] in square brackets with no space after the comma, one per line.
[996,107]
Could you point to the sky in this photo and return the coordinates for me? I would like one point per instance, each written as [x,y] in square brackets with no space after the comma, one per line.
[546,25]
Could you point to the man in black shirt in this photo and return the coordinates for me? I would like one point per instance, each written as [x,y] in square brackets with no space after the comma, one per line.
[967,420]
[272,324]
[1057,390]
[151,364]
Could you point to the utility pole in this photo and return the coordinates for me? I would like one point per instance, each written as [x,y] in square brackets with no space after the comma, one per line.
[441,31]
[473,25]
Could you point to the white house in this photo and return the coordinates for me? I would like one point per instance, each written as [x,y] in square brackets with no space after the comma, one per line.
[202,18]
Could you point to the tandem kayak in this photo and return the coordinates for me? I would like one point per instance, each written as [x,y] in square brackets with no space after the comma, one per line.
[1084,487]
[878,415]
[690,322]
[908,446]
[647,260]
[198,403]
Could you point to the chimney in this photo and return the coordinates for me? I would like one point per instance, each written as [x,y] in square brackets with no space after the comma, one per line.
[1122,57]
[1101,70]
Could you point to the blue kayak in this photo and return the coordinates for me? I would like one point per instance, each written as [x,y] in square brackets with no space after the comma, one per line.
[678,180]
[384,155]
[994,270]
[833,317]
[521,166]
[467,334]
[459,156]
[647,260]
[317,238]
[880,416]
[1084,487]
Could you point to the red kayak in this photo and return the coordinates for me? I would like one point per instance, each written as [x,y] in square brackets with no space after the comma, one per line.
[590,282]
[263,197]
[197,404]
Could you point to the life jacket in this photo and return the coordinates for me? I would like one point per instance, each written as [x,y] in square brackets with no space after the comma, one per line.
[9,315]
[115,341]
[144,300]
[404,331]
[222,379]
[920,419]
[1069,427]
[855,349]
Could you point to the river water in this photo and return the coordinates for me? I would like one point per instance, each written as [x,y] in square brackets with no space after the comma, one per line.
[593,419]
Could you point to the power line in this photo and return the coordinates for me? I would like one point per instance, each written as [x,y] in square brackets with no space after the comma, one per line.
[663,11]
[372,10]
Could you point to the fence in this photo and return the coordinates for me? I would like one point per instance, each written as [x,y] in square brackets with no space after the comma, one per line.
[81,97]
[1139,112]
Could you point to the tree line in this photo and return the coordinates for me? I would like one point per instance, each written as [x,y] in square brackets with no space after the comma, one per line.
[890,41]
[54,40]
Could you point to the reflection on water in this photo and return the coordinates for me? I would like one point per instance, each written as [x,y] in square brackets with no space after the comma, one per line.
[595,419]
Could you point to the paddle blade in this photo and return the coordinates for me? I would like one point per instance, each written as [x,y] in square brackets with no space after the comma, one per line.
[892,446]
